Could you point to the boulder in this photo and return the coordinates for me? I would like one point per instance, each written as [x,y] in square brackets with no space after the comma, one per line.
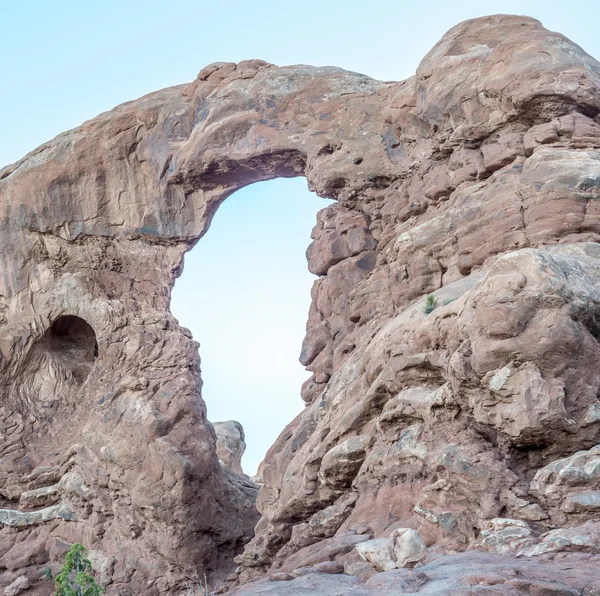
[19,585]
[404,548]
[379,553]
[408,547]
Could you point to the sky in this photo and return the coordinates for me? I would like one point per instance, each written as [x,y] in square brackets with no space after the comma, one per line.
[245,294]
[245,290]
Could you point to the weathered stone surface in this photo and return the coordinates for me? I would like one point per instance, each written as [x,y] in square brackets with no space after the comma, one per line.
[21,519]
[341,463]
[231,444]
[584,538]
[570,485]
[408,547]
[379,553]
[19,585]
[506,536]
[475,181]
[403,548]
[452,575]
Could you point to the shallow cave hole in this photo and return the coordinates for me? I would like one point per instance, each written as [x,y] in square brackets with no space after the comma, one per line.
[245,294]
[72,341]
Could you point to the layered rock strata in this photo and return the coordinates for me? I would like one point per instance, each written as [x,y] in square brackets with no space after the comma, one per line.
[453,333]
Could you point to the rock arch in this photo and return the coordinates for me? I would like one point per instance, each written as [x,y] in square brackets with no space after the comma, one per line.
[434,176]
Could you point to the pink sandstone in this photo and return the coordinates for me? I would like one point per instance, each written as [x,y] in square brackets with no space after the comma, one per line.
[477,181]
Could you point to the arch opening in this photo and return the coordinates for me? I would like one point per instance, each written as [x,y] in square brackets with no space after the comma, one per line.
[245,293]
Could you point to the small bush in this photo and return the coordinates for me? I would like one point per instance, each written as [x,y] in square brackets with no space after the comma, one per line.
[430,304]
[75,577]
[200,589]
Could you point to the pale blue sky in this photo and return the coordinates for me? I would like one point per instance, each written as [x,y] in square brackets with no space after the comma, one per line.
[245,289]
[245,293]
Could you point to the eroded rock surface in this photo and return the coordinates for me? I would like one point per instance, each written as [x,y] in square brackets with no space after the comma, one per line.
[475,182]
[469,573]
[231,444]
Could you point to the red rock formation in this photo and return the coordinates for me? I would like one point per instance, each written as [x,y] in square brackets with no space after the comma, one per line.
[474,181]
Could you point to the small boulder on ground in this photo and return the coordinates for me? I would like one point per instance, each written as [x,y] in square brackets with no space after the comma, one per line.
[404,548]
[18,586]
[408,547]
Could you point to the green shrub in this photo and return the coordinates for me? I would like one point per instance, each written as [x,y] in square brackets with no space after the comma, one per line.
[430,304]
[75,577]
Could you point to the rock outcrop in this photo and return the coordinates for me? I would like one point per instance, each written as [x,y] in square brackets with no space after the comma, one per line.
[231,445]
[469,573]
[453,334]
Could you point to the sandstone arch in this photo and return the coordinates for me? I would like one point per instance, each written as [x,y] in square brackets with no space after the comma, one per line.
[434,177]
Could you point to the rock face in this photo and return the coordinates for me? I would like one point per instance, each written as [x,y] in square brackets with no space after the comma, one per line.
[472,186]
[230,444]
